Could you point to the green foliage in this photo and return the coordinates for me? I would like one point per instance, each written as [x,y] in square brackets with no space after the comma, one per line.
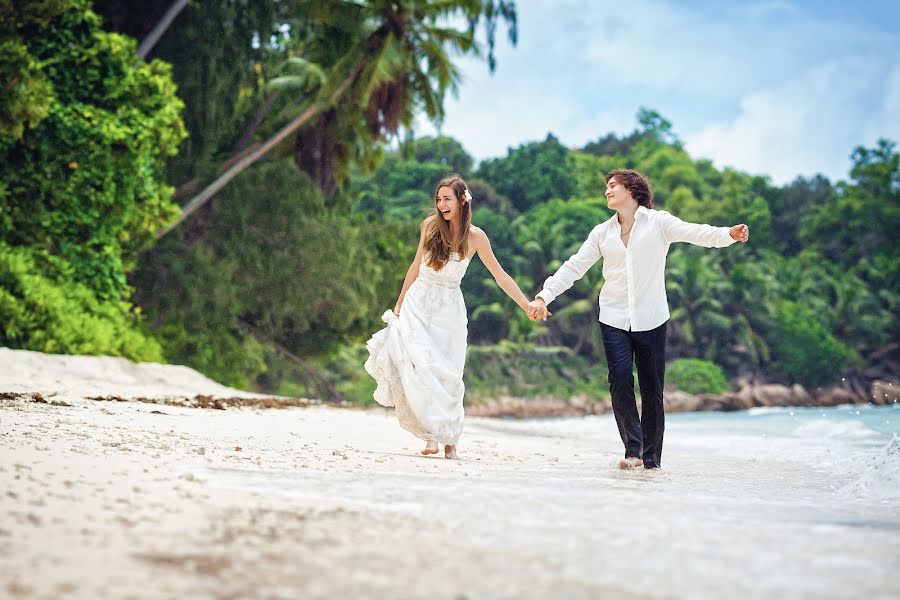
[655,126]
[697,288]
[85,130]
[527,371]
[246,69]
[308,278]
[485,196]
[219,71]
[654,129]
[62,317]
[521,370]
[781,306]
[344,370]
[862,220]
[695,376]
[805,351]
[552,231]
[402,190]
[590,172]
[444,151]
[83,180]
[343,77]
[399,190]
[531,174]
[728,305]
[792,204]
[25,93]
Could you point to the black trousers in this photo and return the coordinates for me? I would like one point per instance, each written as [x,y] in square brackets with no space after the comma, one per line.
[642,435]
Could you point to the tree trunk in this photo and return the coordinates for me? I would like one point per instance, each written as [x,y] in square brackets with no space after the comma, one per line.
[189,187]
[148,42]
[257,152]
[255,123]
[186,189]
[315,152]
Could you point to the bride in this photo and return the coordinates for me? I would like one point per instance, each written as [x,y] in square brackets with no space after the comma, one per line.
[418,359]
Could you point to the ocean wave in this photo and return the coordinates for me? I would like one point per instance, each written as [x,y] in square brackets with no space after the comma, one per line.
[757,411]
[850,430]
[876,477]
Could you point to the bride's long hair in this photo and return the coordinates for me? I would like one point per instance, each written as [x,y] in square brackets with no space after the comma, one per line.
[438,238]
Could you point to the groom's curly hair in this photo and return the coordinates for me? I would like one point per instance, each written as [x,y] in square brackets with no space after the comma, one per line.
[635,183]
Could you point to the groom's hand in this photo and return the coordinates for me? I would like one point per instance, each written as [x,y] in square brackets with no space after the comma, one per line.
[740,233]
[537,310]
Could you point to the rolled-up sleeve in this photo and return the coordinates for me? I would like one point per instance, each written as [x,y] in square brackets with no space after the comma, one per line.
[676,230]
[573,269]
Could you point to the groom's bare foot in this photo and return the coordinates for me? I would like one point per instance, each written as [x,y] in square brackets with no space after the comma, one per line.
[431,448]
[632,462]
[450,452]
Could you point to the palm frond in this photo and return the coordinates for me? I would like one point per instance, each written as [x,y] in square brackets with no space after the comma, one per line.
[339,14]
[288,83]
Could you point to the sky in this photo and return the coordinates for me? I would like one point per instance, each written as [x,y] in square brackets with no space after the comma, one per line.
[775,88]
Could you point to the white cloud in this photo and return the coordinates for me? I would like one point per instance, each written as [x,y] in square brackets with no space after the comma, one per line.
[884,122]
[805,126]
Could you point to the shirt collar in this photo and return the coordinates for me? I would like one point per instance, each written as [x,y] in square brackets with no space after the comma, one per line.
[641,210]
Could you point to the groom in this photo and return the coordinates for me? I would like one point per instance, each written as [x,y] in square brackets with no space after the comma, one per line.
[633,307]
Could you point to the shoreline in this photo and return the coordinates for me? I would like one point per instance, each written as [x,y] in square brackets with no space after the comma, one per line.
[508,407]
[749,396]
[56,378]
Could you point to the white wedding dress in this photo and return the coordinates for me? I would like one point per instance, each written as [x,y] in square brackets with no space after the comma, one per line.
[418,359]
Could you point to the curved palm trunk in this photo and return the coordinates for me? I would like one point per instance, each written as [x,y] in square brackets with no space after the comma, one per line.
[148,42]
[256,152]
[189,187]
[255,123]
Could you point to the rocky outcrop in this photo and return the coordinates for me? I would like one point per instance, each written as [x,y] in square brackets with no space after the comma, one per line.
[748,396]
[838,395]
[885,392]
[527,408]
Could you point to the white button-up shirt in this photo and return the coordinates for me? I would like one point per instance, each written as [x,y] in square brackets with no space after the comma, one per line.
[633,296]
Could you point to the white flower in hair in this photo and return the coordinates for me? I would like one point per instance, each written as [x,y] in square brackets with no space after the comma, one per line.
[468,195]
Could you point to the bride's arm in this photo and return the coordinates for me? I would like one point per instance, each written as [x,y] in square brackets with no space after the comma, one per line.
[486,254]
[413,270]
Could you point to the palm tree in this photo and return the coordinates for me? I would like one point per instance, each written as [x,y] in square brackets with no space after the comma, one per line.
[751,297]
[398,66]
[696,288]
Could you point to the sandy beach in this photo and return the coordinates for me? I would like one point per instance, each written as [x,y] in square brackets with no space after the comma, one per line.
[123,499]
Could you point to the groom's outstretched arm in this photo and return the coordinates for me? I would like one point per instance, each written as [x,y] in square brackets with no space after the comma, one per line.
[676,230]
[573,269]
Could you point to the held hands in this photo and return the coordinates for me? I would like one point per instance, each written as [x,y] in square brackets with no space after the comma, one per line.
[536,310]
[741,233]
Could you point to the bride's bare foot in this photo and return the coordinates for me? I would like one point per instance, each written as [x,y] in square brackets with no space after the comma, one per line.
[431,448]
[632,462]
[450,452]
